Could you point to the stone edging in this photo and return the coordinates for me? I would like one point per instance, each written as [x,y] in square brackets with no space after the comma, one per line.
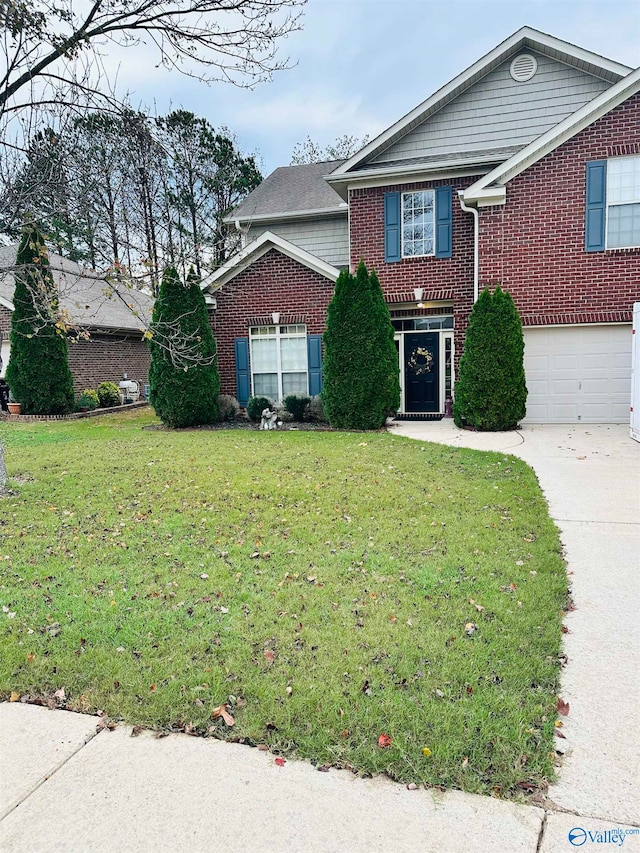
[74,416]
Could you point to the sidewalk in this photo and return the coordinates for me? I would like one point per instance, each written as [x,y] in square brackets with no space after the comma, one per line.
[64,787]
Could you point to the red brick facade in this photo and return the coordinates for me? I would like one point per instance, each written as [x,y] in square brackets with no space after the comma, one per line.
[274,282]
[533,246]
[448,279]
[106,358]
[103,357]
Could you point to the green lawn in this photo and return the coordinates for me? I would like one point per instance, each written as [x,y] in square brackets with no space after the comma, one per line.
[331,587]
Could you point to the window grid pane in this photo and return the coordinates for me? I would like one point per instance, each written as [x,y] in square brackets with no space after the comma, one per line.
[623,228]
[417,223]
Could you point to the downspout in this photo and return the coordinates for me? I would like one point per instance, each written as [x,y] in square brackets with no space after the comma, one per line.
[476,230]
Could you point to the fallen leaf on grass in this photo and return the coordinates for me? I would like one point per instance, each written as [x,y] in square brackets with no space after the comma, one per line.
[323,768]
[136,730]
[280,761]
[31,657]
[269,655]
[426,752]
[563,707]
[384,741]
[221,711]
[470,628]
[558,733]
[60,695]
[14,696]
[465,762]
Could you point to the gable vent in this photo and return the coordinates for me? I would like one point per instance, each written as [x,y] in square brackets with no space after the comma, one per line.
[523,67]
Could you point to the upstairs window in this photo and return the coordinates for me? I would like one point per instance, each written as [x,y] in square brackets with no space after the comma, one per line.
[418,224]
[623,202]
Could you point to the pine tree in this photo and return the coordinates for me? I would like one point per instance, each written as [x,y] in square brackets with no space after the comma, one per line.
[491,392]
[38,370]
[360,369]
[183,377]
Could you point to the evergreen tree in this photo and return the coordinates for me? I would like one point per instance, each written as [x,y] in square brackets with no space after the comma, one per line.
[38,370]
[183,377]
[361,378]
[491,393]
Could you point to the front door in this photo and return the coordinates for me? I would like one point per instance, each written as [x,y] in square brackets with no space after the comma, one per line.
[421,372]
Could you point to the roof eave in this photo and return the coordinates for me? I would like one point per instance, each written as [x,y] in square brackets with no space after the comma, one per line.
[288,215]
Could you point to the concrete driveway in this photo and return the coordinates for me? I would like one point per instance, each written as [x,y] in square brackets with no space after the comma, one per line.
[590,475]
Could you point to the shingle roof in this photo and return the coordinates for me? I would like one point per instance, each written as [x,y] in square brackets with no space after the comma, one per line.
[291,189]
[84,295]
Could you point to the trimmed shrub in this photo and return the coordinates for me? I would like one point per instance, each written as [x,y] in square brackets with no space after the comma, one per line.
[316,410]
[360,369]
[108,395]
[491,392]
[255,405]
[88,399]
[38,370]
[297,405]
[183,376]
[228,408]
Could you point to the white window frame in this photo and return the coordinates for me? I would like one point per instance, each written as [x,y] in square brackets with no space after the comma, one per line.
[433,214]
[278,335]
[609,204]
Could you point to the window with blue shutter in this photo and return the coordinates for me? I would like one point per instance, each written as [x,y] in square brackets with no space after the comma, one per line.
[443,222]
[596,201]
[314,360]
[391,227]
[243,386]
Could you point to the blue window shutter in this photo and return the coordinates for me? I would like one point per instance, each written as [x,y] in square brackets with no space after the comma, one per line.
[443,222]
[314,352]
[596,206]
[243,384]
[391,227]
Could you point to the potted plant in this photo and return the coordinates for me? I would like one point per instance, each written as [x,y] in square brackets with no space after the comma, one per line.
[14,408]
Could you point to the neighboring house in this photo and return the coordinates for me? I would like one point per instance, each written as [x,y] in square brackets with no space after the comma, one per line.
[523,171]
[115,345]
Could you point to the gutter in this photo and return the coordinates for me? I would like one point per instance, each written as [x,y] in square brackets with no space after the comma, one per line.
[476,230]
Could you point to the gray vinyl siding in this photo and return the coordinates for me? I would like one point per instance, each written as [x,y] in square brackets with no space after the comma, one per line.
[326,238]
[497,111]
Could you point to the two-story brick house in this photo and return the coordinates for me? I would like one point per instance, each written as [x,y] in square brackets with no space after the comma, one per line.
[523,171]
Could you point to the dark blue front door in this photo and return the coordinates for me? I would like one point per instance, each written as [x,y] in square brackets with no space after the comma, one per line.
[421,372]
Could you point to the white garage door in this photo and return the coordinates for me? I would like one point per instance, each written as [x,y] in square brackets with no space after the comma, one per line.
[578,374]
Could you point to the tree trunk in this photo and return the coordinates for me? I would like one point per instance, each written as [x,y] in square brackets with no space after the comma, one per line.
[3,469]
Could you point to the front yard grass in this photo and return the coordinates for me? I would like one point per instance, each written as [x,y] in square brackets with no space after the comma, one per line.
[330,587]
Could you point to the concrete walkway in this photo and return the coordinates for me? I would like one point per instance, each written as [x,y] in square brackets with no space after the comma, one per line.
[64,786]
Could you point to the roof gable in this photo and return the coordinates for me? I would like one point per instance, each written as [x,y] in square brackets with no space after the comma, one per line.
[256,250]
[525,39]
[490,189]
[499,112]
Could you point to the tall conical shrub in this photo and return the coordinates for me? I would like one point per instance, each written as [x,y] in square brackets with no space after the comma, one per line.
[183,376]
[361,384]
[491,391]
[38,371]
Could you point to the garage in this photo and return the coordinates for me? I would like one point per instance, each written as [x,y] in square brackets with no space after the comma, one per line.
[578,374]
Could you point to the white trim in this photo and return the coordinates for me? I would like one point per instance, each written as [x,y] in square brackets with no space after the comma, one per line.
[287,215]
[526,37]
[255,250]
[483,191]
[7,304]
[609,204]
[433,223]
[277,337]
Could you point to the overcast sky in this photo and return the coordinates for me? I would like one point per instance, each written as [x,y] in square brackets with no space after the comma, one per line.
[362,64]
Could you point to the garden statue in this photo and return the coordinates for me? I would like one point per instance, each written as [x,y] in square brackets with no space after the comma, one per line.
[269,419]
